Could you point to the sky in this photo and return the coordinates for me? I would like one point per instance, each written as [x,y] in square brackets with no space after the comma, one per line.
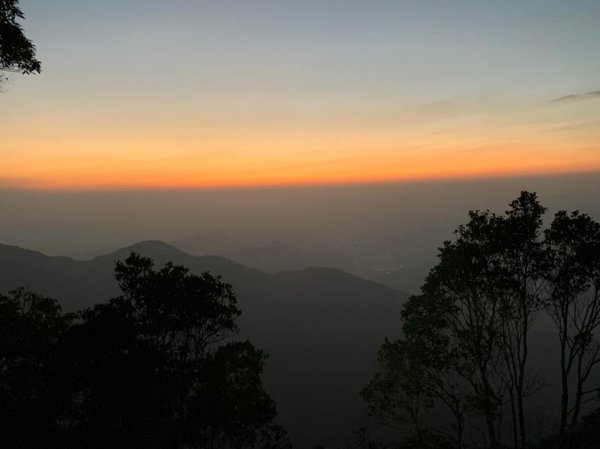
[139,94]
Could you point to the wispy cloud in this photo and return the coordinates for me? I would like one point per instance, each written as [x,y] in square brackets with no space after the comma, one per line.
[575,97]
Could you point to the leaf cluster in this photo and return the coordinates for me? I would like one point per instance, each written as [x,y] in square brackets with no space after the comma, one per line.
[17,52]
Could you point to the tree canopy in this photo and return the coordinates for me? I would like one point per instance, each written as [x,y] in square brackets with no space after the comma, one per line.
[466,350]
[17,52]
[156,367]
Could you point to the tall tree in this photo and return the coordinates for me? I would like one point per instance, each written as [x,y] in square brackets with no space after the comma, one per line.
[573,245]
[466,336]
[463,289]
[152,369]
[519,265]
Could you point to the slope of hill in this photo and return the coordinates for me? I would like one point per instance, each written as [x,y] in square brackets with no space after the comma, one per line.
[365,261]
[270,256]
[321,327]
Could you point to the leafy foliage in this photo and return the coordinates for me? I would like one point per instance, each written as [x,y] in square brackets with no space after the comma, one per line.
[17,53]
[465,347]
[31,327]
[148,369]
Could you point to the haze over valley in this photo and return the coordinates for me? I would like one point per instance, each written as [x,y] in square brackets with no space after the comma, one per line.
[384,232]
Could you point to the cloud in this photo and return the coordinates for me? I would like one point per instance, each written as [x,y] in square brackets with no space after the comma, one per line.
[575,97]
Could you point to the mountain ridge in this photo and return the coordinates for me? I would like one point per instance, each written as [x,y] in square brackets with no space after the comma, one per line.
[320,326]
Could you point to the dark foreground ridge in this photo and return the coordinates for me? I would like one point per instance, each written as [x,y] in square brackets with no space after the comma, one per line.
[320,327]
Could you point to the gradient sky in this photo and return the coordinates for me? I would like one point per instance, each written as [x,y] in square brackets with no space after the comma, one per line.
[184,93]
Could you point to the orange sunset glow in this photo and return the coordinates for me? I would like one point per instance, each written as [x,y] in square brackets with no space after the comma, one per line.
[117,173]
[66,154]
[267,103]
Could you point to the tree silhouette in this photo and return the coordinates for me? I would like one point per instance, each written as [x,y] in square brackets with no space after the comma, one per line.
[465,346]
[574,306]
[149,369]
[17,52]
[31,328]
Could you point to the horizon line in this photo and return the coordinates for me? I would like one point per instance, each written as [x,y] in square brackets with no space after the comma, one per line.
[300,185]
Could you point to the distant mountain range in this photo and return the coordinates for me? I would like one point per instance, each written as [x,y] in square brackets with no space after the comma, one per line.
[267,255]
[364,261]
[320,326]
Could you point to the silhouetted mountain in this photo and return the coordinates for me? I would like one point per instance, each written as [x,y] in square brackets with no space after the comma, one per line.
[274,256]
[270,256]
[321,326]
[217,242]
[365,261]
